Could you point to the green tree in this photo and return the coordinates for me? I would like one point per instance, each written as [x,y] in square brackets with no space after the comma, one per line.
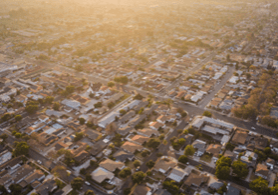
[77,183]
[171,186]
[136,163]
[15,189]
[189,150]
[240,169]
[267,150]
[144,153]
[150,164]
[6,117]
[89,192]
[18,118]
[138,97]
[223,168]
[78,136]
[138,177]
[21,148]
[31,109]
[49,99]
[125,172]
[82,121]
[153,143]
[207,113]
[4,137]
[56,106]
[259,185]
[98,105]
[111,84]
[274,190]
[183,159]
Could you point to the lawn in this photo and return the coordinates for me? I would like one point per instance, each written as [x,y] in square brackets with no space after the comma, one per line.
[206,158]
[157,176]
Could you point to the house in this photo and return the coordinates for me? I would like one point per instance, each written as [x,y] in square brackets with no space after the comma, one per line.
[156,125]
[43,118]
[161,191]
[73,104]
[262,171]
[104,90]
[37,175]
[142,190]
[98,147]
[124,130]
[270,163]
[111,165]
[162,119]
[200,146]
[81,156]
[230,155]
[214,183]
[148,132]
[125,118]
[122,156]
[177,174]
[21,173]
[108,119]
[101,174]
[232,190]
[131,147]
[214,149]
[196,180]
[164,164]
[239,137]
[11,164]
[139,139]
[47,187]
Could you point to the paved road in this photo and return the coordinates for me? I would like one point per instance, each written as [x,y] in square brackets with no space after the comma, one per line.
[203,103]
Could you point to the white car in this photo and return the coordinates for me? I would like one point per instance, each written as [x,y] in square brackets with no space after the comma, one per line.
[253,128]
[39,162]
[87,183]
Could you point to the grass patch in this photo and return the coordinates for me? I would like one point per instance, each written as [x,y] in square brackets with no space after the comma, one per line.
[206,158]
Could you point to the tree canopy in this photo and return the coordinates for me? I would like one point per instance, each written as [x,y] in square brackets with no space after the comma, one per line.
[21,148]
[189,150]
[260,186]
[240,169]
[138,177]
[77,183]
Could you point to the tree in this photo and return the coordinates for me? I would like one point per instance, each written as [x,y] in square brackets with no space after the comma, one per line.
[49,99]
[259,185]
[56,106]
[138,97]
[111,84]
[77,183]
[89,192]
[78,136]
[125,172]
[15,189]
[153,143]
[122,79]
[240,169]
[18,118]
[223,167]
[171,186]
[136,163]
[4,136]
[127,191]
[183,159]
[32,108]
[138,177]
[144,153]
[98,105]
[274,190]
[6,117]
[207,113]
[267,150]
[122,111]
[21,148]
[150,164]
[189,150]
[82,121]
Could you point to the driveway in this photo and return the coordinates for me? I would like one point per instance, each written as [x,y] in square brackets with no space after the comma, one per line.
[249,174]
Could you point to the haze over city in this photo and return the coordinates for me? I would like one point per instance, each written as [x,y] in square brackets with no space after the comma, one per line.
[130,97]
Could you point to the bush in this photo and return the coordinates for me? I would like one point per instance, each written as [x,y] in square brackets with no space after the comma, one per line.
[183,159]
[207,113]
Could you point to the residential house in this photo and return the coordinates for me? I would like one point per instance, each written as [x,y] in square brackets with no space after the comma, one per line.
[239,137]
[196,180]
[47,187]
[200,146]
[122,156]
[131,147]
[139,139]
[262,171]
[148,132]
[156,125]
[270,163]
[231,190]
[215,150]
[177,174]
[142,190]
[111,165]
[100,174]
[164,164]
